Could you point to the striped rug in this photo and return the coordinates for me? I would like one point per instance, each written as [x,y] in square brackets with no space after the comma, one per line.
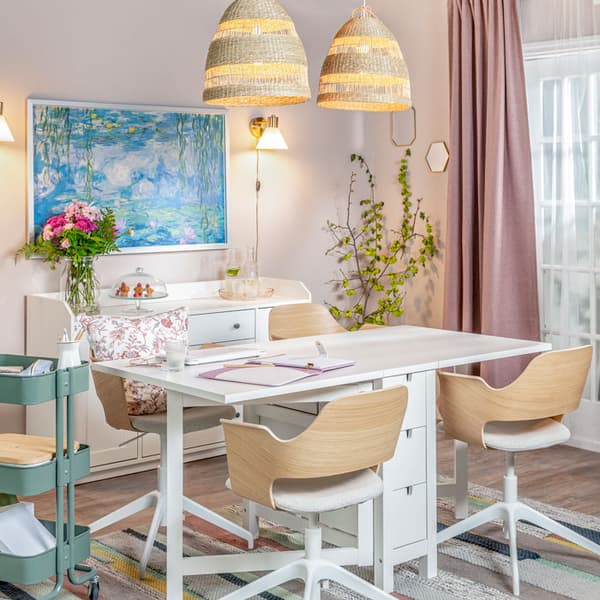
[475,567]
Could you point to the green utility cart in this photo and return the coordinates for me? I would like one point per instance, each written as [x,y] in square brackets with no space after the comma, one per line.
[62,470]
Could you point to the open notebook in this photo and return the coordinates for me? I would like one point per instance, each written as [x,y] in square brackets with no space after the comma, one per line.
[270,376]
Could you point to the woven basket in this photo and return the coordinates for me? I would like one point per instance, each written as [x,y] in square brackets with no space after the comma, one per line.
[364,69]
[256,58]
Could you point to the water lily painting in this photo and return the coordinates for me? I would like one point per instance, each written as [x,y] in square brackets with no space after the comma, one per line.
[161,170]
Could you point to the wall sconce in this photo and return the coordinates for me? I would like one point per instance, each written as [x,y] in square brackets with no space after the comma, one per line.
[268,134]
[5,133]
[268,137]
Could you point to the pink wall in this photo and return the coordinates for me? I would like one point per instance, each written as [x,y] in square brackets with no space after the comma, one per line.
[152,52]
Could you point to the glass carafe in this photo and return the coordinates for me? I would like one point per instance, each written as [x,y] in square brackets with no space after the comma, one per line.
[250,274]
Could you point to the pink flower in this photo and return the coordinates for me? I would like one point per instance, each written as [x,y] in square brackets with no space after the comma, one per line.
[47,233]
[84,224]
[56,224]
[65,243]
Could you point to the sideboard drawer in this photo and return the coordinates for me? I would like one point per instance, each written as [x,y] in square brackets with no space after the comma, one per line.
[221,327]
[408,466]
[409,516]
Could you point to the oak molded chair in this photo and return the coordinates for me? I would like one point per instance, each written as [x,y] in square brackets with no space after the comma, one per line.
[330,465]
[109,389]
[301,320]
[525,415]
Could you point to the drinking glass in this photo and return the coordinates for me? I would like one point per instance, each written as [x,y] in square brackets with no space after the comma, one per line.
[175,351]
[233,272]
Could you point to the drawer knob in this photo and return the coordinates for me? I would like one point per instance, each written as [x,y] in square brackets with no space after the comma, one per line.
[236,325]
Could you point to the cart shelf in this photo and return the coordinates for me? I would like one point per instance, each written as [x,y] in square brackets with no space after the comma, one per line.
[29,570]
[29,480]
[67,466]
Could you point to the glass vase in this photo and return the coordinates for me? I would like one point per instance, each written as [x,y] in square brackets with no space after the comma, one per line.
[79,285]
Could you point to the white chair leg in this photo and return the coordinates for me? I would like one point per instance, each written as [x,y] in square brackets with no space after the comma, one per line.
[250,520]
[526,513]
[212,517]
[156,522]
[329,570]
[495,511]
[511,524]
[132,508]
[312,589]
[295,570]
[461,479]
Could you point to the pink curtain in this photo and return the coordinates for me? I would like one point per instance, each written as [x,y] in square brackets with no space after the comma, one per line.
[491,276]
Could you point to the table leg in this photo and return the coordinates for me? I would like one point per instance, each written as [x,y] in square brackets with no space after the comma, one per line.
[428,563]
[383,566]
[174,495]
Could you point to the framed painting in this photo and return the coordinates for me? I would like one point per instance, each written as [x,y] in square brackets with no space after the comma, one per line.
[163,171]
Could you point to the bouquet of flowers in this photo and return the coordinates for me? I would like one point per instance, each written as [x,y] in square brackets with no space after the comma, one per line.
[78,235]
[82,230]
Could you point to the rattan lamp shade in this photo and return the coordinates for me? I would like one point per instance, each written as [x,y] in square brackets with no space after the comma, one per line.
[256,58]
[364,69]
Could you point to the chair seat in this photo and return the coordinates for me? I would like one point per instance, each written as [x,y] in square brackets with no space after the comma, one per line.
[519,436]
[194,419]
[326,493]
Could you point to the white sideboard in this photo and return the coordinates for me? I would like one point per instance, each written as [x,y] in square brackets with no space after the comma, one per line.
[212,320]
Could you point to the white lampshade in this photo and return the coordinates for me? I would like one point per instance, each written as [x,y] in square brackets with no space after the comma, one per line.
[5,132]
[267,131]
[272,139]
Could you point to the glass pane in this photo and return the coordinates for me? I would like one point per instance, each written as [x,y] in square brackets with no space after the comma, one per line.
[581,341]
[580,122]
[581,243]
[557,301]
[546,302]
[579,302]
[597,304]
[581,171]
[557,235]
[552,172]
[595,375]
[595,168]
[597,236]
[551,107]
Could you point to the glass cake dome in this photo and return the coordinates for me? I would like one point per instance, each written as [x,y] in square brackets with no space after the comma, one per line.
[138,286]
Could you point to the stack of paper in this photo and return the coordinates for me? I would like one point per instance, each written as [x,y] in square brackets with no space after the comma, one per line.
[259,375]
[21,534]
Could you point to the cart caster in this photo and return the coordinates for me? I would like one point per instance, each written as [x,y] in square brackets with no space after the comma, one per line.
[94,589]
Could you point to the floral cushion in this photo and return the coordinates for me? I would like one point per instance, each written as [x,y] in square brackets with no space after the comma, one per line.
[115,337]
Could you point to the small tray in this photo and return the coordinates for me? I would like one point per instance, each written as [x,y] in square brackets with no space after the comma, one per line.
[262,293]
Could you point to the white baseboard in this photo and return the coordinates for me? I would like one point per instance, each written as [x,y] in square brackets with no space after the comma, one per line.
[584,443]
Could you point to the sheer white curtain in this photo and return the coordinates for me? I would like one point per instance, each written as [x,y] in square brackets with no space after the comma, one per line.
[562,67]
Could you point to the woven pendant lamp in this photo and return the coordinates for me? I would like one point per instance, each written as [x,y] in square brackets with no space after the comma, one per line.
[364,69]
[256,58]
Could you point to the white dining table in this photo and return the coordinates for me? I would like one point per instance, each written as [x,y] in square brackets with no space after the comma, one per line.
[383,357]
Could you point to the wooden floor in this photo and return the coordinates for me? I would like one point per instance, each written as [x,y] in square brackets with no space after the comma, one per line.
[562,475]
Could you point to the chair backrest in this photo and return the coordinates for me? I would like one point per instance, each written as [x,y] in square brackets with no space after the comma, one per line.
[110,390]
[300,320]
[349,434]
[550,386]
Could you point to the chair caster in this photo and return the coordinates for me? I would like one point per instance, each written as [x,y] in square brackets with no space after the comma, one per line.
[94,589]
